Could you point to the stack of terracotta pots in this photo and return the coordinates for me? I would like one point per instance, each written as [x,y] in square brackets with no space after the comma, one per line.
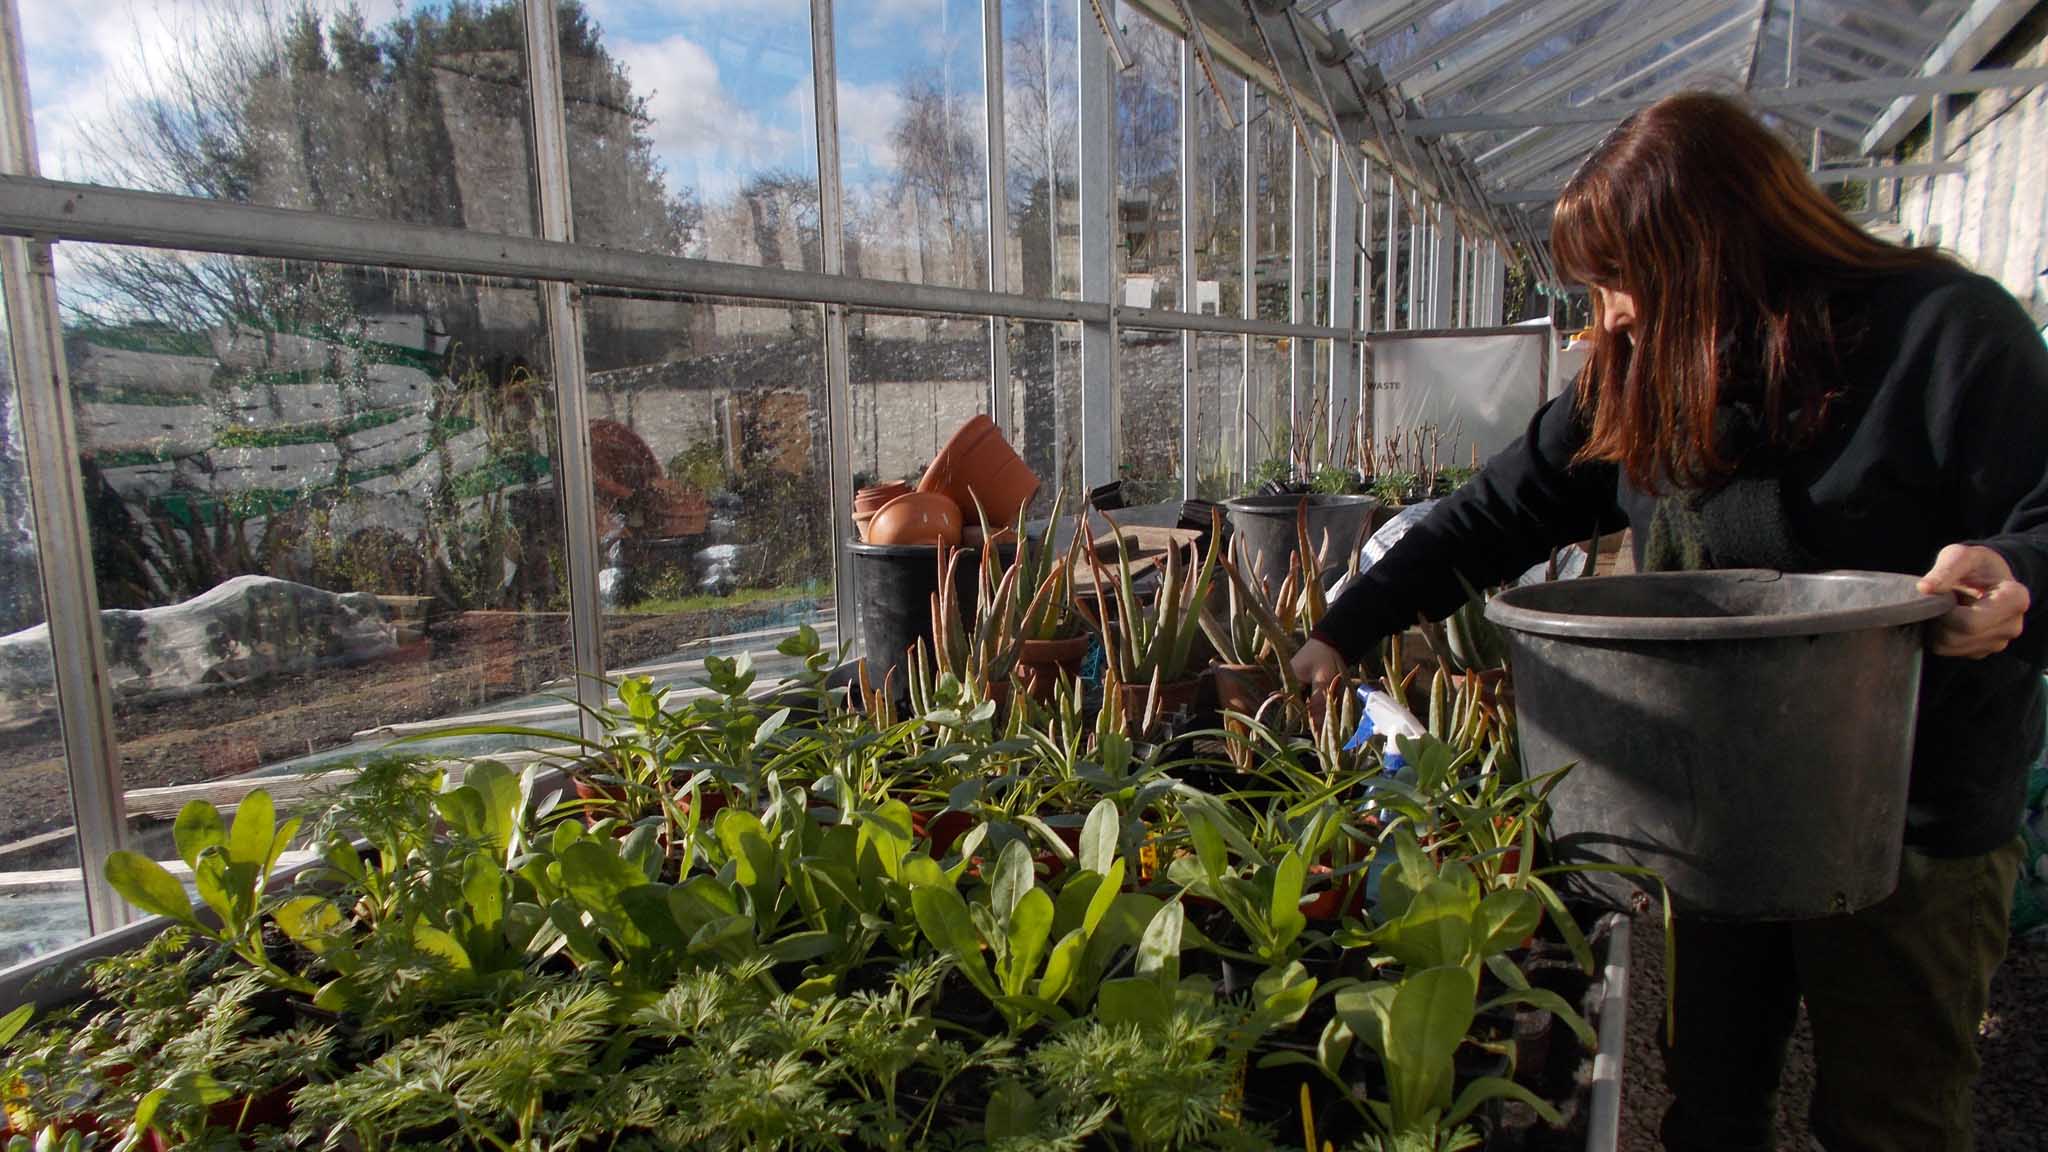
[976,465]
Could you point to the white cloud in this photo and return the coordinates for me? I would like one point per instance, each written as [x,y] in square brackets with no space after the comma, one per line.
[707,139]
[867,115]
[622,17]
[85,71]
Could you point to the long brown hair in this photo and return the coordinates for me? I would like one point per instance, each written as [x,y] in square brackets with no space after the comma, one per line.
[1709,222]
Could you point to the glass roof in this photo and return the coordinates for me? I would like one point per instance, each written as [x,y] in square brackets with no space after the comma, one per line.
[1468,58]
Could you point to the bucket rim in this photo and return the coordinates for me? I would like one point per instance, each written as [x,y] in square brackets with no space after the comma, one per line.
[1284,503]
[1909,608]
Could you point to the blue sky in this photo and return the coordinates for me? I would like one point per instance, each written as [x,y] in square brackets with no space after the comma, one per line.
[727,81]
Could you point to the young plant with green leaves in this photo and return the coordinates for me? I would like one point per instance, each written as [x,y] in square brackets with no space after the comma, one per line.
[231,870]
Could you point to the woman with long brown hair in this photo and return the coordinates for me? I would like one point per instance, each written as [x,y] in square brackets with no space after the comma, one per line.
[1772,387]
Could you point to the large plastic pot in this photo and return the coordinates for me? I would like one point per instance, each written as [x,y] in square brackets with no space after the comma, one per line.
[1264,528]
[1746,734]
[894,585]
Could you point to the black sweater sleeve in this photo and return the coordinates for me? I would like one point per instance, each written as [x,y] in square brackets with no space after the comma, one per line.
[1528,500]
[1989,418]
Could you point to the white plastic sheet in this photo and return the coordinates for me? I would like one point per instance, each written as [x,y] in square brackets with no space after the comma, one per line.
[1480,390]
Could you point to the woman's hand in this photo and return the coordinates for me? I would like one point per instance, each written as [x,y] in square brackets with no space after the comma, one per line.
[1316,664]
[1991,606]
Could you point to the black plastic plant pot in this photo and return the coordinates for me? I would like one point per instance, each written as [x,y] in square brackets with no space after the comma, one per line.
[1266,530]
[893,589]
[1745,734]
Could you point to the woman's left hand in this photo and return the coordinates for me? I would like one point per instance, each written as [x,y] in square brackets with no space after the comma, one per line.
[1991,606]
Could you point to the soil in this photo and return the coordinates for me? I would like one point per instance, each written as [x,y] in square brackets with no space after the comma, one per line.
[465,661]
[2012,1092]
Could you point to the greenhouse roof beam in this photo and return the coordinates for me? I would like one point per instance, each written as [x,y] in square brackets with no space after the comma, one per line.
[1910,31]
[1824,176]
[1450,81]
[1429,55]
[1975,33]
[1826,57]
[1762,26]
[1543,155]
[1898,56]
[1717,32]
[1771,98]
[1809,120]
[1592,61]
[1389,16]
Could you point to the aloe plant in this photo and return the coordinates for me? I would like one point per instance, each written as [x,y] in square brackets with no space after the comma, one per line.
[1151,647]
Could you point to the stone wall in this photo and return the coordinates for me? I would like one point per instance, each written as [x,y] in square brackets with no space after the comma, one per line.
[1994,214]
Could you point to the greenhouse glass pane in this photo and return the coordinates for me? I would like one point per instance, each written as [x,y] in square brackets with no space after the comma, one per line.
[1149,414]
[1219,388]
[1045,398]
[915,381]
[412,112]
[1219,198]
[43,906]
[711,480]
[323,510]
[912,133]
[1148,165]
[692,130]
[1272,160]
[1041,98]
[1268,415]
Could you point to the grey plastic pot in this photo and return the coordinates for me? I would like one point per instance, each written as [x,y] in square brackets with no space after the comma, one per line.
[1747,734]
[1264,527]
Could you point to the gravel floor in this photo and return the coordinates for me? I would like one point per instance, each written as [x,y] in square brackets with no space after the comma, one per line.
[2012,1094]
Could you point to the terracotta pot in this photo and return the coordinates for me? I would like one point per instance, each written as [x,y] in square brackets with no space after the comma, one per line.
[1244,687]
[874,497]
[241,1114]
[1334,902]
[1040,662]
[978,464]
[602,793]
[916,518]
[942,830]
[1176,696]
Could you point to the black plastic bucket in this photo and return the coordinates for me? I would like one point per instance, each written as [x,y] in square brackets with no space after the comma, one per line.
[1264,528]
[894,585]
[1746,734]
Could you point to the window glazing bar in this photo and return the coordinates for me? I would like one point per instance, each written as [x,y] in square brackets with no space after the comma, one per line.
[1976,32]
[832,255]
[1440,85]
[1190,154]
[1248,284]
[1301,266]
[1341,399]
[998,215]
[1174,320]
[1393,287]
[1583,64]
[1096,132]
[562,304]
[49,433]
[35,207]
[1427,57]
[1807,94]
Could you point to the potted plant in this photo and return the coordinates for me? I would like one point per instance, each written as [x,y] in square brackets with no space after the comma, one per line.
[1149,650]
[1053,641]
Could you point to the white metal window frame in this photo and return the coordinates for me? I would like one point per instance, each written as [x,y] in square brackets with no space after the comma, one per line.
[36,214]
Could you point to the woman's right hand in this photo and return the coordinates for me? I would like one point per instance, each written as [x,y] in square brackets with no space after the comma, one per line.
[1316,664]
